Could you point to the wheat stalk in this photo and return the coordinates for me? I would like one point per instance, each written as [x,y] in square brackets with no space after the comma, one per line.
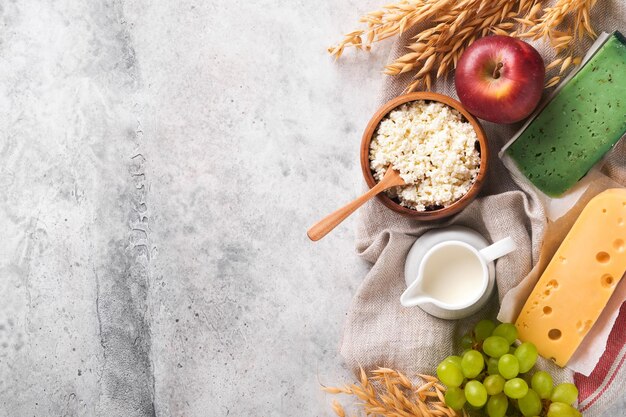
[389,393]
[452,25]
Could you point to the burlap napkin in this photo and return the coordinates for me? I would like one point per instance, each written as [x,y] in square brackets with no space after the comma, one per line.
[380,332]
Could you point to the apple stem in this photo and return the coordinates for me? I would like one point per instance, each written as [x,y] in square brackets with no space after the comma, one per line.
[496,71]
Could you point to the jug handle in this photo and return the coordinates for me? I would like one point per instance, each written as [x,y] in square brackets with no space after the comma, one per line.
[497,250]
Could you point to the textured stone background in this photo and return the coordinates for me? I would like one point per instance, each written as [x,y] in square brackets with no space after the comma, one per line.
[159,164]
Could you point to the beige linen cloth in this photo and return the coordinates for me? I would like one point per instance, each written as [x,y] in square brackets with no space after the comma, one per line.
[380,332]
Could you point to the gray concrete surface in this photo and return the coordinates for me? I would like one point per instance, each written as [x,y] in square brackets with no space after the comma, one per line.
[159,164]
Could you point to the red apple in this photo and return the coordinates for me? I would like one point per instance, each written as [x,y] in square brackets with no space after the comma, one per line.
[500,79]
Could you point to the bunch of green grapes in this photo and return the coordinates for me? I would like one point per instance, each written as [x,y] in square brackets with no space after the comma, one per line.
[494,376]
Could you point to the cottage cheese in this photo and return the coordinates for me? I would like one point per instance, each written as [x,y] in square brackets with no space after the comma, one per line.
[434,150]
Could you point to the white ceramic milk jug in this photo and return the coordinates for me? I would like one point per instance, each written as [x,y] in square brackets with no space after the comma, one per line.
[454,279]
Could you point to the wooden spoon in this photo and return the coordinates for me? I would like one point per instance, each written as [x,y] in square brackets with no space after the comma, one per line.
[320,229]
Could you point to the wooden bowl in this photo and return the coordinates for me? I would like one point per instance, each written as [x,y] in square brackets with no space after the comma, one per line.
[483,149]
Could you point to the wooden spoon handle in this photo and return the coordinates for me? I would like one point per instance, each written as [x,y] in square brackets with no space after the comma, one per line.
[328,223]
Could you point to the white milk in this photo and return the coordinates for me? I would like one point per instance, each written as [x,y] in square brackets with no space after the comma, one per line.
[453,274]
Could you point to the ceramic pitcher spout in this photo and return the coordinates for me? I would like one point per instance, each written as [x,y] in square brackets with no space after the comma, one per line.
[413,296]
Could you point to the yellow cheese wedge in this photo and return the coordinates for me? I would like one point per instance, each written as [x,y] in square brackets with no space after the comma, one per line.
[578,282]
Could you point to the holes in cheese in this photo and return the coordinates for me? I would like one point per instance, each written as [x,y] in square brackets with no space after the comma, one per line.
[603,257]
[607,281]
[579,280]
[583,326]
[554,334]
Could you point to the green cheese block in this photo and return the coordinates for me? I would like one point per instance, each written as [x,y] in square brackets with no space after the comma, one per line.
[579,125]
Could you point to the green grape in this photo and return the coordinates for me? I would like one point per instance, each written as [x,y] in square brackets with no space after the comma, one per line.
[453,359]
[483,329]
[530,404]
[506,330]
[558,409]
[565,393]
[494,384]
[467,342]
[508,366]
[495,346]
[450,374]
[515,388]
[526,354]
[475,393]
[492,366]
[455,398]
[472,363]
[497,405]
[541,382]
